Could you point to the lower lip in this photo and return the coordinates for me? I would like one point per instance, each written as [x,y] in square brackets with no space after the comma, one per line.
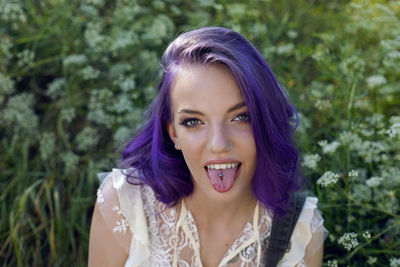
[236,176]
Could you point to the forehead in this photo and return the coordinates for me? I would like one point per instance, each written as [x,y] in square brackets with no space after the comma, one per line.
[205,87]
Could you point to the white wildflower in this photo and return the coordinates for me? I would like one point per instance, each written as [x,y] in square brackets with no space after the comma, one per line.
[100,116]
[322,104]
[122,134]
[68,114]
[328,178]
[328,148]
[292,34]
[74,60]
[92,34]
[285,49]
[70,161]
[322,143]
[12,11]
[118,70]
[122,104]
[5,50]
[89,10]
[348,241]
[372,260]
[95,2]
[347,137]
[56,88]
[353,174]
[19,113]
[311,160]
[127,84]
[47,145]
[394,130]
[332,263]
[367,235]
[377,120]
[87,138]
[394,119]
[372,151]
[6,86]
[122,40]
[376,80]
[25,58]
[395,262]
[374,181]
[89,73]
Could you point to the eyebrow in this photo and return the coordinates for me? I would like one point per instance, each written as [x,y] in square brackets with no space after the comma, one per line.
[231,109]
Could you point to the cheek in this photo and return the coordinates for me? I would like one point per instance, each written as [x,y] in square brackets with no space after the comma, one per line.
[245,140]
[191,144]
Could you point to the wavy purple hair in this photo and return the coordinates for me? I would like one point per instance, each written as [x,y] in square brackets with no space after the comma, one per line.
[158,164]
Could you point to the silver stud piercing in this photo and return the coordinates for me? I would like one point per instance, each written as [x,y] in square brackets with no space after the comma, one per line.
[221,176]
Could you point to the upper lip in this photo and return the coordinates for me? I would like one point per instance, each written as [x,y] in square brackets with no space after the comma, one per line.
[221,161]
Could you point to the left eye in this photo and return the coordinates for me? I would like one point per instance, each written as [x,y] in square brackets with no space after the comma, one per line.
[242,117]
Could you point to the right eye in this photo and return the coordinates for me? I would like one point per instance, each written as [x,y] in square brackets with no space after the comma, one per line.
[190,123]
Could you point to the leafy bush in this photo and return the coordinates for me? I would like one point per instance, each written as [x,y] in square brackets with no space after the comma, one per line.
[76,77]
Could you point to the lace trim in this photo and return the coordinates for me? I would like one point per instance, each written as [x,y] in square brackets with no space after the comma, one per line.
[122,224]
[100,197]
[161,228]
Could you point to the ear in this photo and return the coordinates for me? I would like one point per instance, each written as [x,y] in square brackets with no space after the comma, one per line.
[172,134]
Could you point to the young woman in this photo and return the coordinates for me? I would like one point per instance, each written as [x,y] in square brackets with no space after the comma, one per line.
[212,168]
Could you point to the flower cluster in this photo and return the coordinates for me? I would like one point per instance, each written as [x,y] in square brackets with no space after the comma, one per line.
[311,160]
[328,148]
[47,145]
[353,174]
[6,86]
[18,113]
[328,178]
[395,262]
[367,235]
[374,181]
[348,241]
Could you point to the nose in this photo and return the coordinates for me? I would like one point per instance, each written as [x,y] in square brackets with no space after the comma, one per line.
[219,140]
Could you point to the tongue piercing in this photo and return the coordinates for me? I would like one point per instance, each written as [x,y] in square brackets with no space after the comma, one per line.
[221,176]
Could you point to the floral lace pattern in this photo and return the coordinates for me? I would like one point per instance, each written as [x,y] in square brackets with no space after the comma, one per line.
[164,237]
[122,224]
[100,198]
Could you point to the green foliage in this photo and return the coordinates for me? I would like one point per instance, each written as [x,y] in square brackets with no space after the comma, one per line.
[76,77]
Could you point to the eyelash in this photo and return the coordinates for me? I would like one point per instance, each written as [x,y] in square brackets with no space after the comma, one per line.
[186,122]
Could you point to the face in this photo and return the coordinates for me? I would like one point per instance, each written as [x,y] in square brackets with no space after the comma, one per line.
[212,128]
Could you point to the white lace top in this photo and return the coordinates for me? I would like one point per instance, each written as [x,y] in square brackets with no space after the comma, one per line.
[161,237]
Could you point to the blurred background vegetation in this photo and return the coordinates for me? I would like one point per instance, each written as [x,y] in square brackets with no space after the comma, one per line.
[76,77]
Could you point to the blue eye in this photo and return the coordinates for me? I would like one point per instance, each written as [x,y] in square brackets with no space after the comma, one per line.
[242,117]
[190,123]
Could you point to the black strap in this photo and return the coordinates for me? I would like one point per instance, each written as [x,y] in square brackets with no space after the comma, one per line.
[282,229]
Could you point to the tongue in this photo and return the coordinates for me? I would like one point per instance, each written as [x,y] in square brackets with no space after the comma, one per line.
[222,183]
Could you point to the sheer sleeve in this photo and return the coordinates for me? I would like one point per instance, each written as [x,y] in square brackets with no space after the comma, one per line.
[109,207]
[308,236]
[121,206]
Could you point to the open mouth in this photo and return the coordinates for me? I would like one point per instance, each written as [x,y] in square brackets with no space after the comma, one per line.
[223,166]
[222,176]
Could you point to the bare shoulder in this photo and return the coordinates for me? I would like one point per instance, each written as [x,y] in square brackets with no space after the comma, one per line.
[107,247]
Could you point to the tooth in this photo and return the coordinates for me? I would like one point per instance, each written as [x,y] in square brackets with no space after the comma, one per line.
[230,165]
[212,167]
[218,166]
[223,166]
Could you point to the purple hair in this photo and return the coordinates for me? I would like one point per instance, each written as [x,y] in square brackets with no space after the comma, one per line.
[158,164]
